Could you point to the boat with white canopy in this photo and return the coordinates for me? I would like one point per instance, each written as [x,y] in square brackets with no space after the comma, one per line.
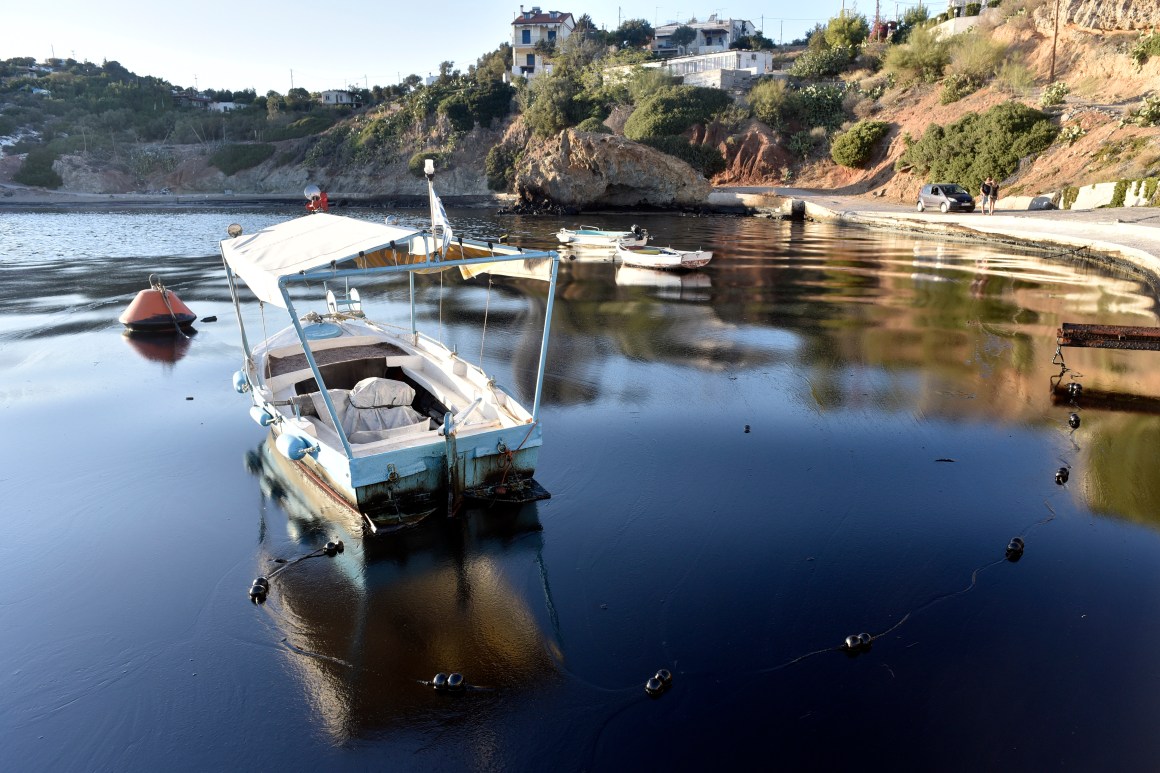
[385,419]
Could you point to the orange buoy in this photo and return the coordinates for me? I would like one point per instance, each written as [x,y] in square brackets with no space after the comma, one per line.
[157,310]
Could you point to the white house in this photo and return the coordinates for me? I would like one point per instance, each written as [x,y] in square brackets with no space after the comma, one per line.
[532,27]
[223,107]
[336,97]
[724,70]
[712,36]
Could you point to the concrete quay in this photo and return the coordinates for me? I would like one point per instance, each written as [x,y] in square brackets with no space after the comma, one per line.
[1129,234]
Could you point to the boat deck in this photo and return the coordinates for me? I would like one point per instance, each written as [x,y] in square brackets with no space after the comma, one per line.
[278,366]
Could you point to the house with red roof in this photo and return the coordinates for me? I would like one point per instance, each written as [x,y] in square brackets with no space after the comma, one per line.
[549,28]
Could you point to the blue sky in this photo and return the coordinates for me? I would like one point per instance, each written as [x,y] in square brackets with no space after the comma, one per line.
[321,45]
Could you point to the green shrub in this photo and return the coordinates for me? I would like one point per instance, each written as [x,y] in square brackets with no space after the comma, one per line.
[1014,78]
[980,144]
[802,144]
[1150,188]
[1070,194]
[457,111]
[854,147]
[674,109]
[593,125]
[37,170]
[1054,94]
[976,56]
[955,87]
[1147,114]
[441,158]
[822,63]
[232,159]
[1071,133]
[489,101]
[500,166]
[1119,193]
[553,104]
[973,9]
[820,105]
[1145,46]
[923,57]
[303,127]
[705,159]
[771,102]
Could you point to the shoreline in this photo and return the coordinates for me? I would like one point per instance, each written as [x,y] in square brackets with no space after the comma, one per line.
[1129,234]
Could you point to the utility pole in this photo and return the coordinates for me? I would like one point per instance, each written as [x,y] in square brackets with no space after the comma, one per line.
[1054,35]
[291,77]
[877,31]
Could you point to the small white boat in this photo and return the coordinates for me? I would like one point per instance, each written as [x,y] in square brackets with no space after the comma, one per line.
[587,236]
[384,419]
[665,258]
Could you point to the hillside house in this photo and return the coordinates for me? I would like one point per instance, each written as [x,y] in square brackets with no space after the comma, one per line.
[532,27]
[726,70]
[190,98]
[337,98]
[713,36]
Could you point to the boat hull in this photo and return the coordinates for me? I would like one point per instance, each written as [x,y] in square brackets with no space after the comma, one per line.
[663,259]
[602,240]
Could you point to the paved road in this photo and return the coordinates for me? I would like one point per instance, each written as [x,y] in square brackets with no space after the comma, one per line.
[1132,233]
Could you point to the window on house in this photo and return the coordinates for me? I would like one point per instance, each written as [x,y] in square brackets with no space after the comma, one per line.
[526,37]
[551,36]
[531,60]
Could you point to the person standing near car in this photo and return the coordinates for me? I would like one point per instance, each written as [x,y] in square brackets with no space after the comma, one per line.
[988,192]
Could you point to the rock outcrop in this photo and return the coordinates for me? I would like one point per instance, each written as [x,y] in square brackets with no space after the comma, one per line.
[586,170]
[1104,14]
[753,156]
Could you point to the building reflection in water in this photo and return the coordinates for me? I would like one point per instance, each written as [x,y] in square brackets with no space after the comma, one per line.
[368,627]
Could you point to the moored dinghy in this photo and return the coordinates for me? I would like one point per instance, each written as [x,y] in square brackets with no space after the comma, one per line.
[387,419]
[665,258]
[590,237]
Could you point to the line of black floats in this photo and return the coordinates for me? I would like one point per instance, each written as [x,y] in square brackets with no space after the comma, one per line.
[261,587]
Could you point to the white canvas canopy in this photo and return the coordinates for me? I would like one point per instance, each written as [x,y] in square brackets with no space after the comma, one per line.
[306,243]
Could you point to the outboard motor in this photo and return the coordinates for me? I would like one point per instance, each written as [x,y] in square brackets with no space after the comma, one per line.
[636,230]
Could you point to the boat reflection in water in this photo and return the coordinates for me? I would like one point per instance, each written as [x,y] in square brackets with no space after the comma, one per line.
[369,626]
[167,347]
[670,285]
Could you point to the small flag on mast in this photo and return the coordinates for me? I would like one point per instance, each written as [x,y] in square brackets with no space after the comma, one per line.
[442,225]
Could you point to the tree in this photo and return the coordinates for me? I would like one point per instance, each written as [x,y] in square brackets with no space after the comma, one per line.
[754,42]
[632,32]
[492,65]
[410,83]
[577,52]
[545,48]
[298,100]
[553,106]
[683,36]
[446,74]
[847,31]
[584,26]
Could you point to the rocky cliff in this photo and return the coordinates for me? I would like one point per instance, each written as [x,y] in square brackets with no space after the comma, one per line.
[585,170]
[1105,14]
